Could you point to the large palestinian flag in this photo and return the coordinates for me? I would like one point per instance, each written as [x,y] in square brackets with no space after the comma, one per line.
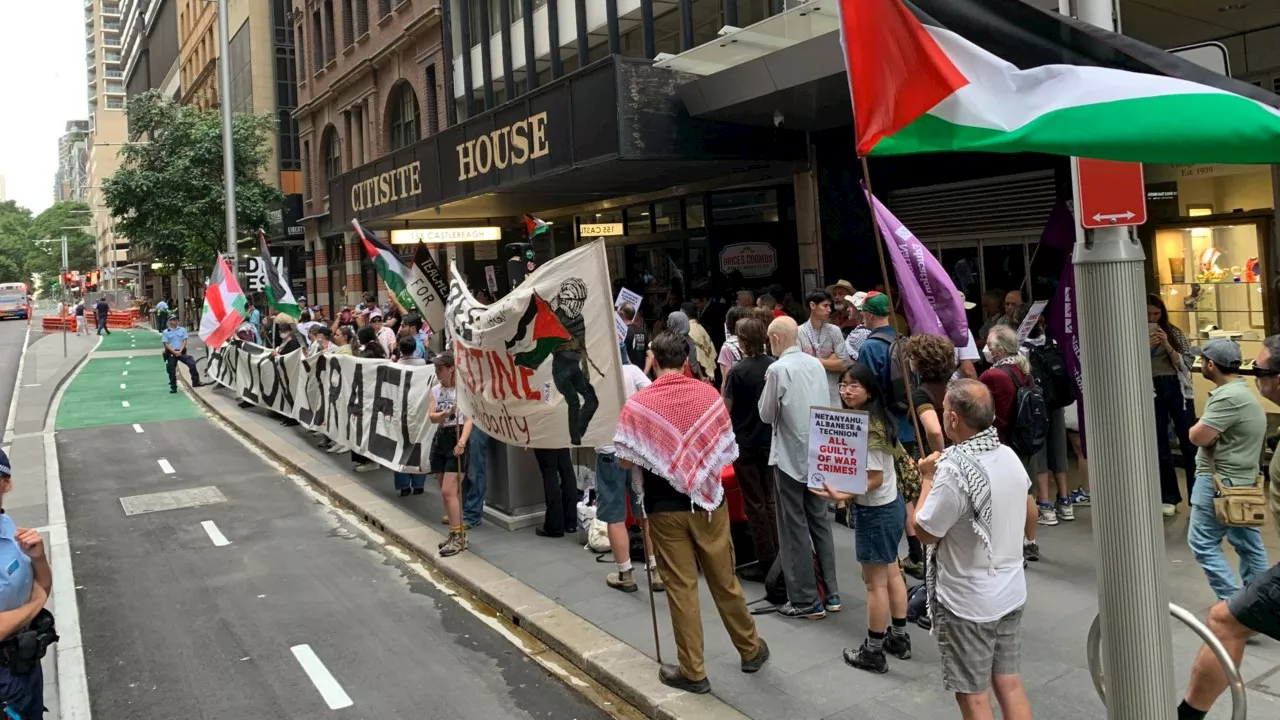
[393,272]
[1003,76]
[224,305]
[279,295]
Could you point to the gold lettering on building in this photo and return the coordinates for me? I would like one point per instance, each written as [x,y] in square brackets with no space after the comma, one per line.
[387,187]
[515,144]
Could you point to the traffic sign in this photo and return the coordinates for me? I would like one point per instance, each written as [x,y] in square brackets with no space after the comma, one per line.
[1111,193]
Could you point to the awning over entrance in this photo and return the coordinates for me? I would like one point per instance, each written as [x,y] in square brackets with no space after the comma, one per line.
[614,128]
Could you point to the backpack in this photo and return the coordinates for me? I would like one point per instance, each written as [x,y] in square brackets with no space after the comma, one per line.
[1050,371]
[1030,424]
[899,368]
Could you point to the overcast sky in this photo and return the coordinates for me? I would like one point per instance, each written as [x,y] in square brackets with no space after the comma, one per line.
[43,84]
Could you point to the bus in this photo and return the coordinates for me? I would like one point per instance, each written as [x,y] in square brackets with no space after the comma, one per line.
[13,300]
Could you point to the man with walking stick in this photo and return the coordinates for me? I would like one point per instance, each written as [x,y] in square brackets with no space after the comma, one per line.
[678,431]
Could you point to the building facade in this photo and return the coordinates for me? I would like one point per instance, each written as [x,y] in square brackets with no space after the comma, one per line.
[151,47]
[73,159]
[198,53]
[103,21]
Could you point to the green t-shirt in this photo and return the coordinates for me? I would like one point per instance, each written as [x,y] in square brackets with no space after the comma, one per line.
[1237,415]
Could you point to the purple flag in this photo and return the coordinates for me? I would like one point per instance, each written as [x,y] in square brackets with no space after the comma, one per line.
[1060,233]
[932,303]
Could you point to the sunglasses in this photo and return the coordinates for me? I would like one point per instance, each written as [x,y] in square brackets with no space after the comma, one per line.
[1259,372]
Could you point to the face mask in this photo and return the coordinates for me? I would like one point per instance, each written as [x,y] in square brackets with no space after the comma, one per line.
[986,353]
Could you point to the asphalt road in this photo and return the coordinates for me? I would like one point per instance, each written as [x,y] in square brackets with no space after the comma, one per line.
[178,626]
[12,334]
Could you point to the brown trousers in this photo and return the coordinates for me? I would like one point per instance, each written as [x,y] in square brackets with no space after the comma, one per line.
[683,541]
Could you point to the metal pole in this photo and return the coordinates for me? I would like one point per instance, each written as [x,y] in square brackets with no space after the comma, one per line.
[63,279]
[1128,534]
[228,147]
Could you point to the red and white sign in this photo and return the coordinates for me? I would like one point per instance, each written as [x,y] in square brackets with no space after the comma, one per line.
[1111,193]
[751,259]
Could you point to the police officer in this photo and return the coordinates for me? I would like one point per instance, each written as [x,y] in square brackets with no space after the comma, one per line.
[25,581]
[175,351]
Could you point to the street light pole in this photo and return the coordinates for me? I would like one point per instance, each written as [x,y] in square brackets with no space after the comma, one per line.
[228,146]
[62,279]
[1128,534]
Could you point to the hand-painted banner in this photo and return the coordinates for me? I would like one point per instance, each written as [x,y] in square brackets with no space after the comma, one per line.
[374,407]
[540,368]
[1060,321]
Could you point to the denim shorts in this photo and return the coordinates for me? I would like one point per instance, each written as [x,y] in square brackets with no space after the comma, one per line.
[878,531]
[612,490]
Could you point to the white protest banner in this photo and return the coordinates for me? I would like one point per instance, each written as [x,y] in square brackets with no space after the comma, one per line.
[838,449]
[428,287]
[630,297]
[620,326]
[375,407]
[1033,316]
[540,368]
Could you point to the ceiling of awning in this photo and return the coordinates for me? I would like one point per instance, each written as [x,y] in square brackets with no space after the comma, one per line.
[737,46]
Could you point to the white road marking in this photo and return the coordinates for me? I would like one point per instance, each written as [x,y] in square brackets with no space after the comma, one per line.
[124,403]
[320,676]
[122,386]
[219,540]
[126,372]
[165,466]
[137,428]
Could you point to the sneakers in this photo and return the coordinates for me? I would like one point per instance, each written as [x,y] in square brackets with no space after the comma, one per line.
[671,676]
[833,604]
[456,543]
[812,612]
[404,492]
[1030,550]
[758,660]
[1048,516]
[1064,510]
[1081,498]
[1168,510]
[864,658]
[624,581]
[897,645]
[335,448]
[365,467]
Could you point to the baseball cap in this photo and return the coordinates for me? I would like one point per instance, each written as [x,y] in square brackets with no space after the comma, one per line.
[876,303]
[1223,352]
[4,464]
[857,299]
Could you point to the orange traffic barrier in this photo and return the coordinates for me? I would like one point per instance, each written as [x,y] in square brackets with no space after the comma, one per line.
[53,323]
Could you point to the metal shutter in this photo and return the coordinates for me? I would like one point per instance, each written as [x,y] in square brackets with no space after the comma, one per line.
[1008,206]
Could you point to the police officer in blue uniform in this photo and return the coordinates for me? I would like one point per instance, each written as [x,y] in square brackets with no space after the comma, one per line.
[25,626]
[175,351]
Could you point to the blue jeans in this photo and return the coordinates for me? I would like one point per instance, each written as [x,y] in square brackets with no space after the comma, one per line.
[477,477]
[1205,534]
[409,480]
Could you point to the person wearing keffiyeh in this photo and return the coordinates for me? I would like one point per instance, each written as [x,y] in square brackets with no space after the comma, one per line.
[970,513]
[678,432]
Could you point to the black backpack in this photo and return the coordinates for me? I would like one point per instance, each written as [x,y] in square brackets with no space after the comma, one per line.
[1030,424]
[899,367]
[1050,371]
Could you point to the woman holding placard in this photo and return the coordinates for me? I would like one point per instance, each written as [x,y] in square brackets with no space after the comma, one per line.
[881,521]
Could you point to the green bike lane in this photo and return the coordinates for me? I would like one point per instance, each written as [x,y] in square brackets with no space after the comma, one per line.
[124,382]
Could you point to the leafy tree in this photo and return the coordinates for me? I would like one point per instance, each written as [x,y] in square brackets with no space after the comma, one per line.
[167,197]
[46,258]
[16,242]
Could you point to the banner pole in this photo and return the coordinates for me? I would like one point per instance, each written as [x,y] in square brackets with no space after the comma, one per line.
[653,607]
[893,313]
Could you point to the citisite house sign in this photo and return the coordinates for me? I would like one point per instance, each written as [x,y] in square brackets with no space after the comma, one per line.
[751,259]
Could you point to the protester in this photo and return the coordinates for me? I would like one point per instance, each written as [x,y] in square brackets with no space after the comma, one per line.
[409,482]
[877,353]
[1012,301]
[175,351]
[82,327]
[879,524]
[1174,401]
[23,593]
[1052,459]
[613,494]
[100,311]
[932,360]
[636,342]
[972,512]
[857,330]
[386,336]
[823,340]
[342,340]
[992,311]
[678,323]
[1010,371]
[305,323]
[477,478]
[1256,608]
[678,432]
[731,352]
[447,448]
[255,319]
[706,348]
[746,299]
[743,385]
[1229,434]
[367,347]
[840,290]
[770,303]
[793,384]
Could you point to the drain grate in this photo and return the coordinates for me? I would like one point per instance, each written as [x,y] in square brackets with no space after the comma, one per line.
[171,500]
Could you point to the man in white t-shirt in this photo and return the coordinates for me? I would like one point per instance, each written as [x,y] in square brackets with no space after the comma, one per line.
[965,358]
[972,508]
[613,490]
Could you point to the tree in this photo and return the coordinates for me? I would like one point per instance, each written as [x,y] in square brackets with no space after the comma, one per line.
[16,242]
[167,197]
[52,224]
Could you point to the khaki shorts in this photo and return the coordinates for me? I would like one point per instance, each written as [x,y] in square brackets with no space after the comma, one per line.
[972,652]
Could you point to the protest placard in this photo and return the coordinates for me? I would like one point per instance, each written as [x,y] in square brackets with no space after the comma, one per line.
[1033,316]
[838,449]
[627,296]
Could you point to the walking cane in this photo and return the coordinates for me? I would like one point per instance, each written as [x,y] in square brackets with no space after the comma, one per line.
[653,608]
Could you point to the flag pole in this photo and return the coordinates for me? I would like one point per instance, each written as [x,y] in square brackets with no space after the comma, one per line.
[893,313]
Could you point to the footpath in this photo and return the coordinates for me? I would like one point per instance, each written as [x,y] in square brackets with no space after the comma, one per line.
[555,589]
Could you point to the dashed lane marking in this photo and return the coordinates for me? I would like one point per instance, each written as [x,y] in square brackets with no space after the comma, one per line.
[219,540]
[122,386]
[137,428]
[334,696]
[166,466]
[124,403]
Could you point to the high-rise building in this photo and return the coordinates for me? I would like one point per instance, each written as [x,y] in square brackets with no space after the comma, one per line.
[73,159]
[107,126]
[150,47]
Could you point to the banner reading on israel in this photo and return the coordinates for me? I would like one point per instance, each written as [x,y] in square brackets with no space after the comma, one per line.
[541,367]
[374,407]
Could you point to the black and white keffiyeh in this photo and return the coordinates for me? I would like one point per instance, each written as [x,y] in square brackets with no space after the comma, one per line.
[976,486]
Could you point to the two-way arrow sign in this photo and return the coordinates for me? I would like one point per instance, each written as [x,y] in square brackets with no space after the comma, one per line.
[1114,217]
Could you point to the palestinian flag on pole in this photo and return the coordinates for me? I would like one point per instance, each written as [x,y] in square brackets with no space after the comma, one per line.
[224,305]
[393,272]
[533,227]
[279,296]
[1003,76]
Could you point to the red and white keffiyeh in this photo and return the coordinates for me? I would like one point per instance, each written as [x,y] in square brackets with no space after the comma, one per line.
[679,428]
